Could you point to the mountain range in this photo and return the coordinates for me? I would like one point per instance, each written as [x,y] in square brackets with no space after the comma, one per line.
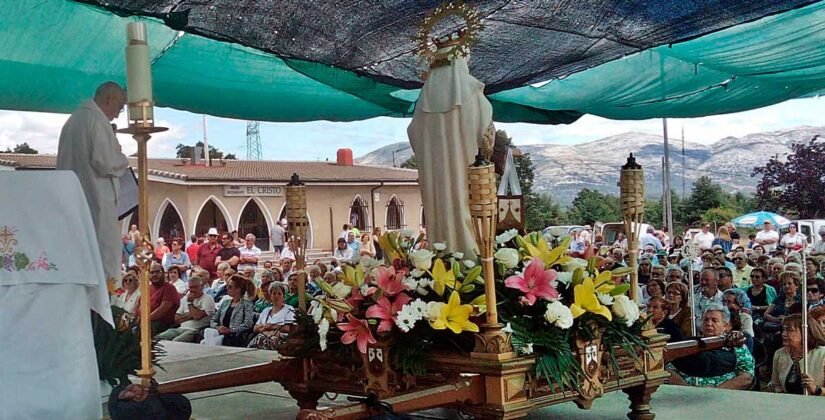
[563,170]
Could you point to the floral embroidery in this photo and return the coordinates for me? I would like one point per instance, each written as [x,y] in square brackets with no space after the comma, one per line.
[19,261]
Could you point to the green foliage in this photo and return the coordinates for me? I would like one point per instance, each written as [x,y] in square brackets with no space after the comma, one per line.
[705,195]
[118,350]
[410,163]
[555,359]
[720,215]
[21,261]
[185,151]
[795,187]
[541,212]
[411,359]
[22,148]
[591,206]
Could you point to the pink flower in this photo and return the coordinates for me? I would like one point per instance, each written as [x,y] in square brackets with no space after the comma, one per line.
[387,311]
[390,281]
[536,283]
[356,330]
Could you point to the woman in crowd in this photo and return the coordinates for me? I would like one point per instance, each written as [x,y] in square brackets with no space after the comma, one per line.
[793,240]
[775,267]
[788,303]
[787,376]
[678,243]
[129,298]
[173,276]
[760,294]
[723,239]
[738,304]
[218,289]
[342,252]
[654,288]
[676,294]
[812,269]
[659,310]
[367,248]
[179,259]
[264,300]
[376,244]
[274,323]
[233,320]
[160,249]
[716,322]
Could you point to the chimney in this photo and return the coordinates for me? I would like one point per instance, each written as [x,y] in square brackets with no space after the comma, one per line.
[344,157]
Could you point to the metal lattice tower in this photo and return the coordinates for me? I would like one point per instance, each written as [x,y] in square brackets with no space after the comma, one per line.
[253,140]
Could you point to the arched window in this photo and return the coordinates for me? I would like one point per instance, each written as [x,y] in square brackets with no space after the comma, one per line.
[253,221]
[395,214]
[358,214]
[210,216]
[171,225]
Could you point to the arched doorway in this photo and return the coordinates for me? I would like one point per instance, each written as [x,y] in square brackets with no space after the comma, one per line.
[254,221]
[282,216]
[210,216]
[171,224]
[358,214]
[395,214]
[423,218]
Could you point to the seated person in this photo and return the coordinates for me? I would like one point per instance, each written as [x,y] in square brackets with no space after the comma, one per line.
[274,323]
[231,324]
[218,288]
[676,294]
[725,368]
[760,294]
[292,294]
[787,376]
[653,288]
[659,311]
[173,277]
[164,301]
[264,299]
[196,309]
[129,298]
[738,304]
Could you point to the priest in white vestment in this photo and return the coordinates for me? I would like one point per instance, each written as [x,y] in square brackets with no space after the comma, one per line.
[450,122]
[88,146]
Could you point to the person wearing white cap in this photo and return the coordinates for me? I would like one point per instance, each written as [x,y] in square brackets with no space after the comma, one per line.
[208,252]
[586,235]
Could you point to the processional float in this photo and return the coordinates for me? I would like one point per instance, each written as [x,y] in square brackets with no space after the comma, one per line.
[491,381]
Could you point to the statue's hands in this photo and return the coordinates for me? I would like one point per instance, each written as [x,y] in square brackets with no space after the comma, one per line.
[735,339]
[133,392]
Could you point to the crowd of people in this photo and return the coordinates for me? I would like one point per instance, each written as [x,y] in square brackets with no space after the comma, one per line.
[217,290]
[750,286]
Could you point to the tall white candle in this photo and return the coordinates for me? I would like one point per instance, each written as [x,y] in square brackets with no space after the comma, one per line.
[138,72]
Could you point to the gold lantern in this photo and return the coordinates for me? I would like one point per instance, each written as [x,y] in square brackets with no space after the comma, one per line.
[483,201]
[632,196]
[298,223]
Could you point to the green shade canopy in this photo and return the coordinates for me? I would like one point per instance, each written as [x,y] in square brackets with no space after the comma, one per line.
[53,53]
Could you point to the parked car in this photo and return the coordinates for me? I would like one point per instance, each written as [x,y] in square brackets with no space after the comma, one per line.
[810,228]
[610,231]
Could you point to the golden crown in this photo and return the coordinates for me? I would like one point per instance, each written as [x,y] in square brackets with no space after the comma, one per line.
[458,42]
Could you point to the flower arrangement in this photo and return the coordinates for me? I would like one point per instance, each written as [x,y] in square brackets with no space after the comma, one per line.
[423,299]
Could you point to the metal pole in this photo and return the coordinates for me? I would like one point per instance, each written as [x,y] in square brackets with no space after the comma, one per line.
[669,204]
[664,194]
[691,297]
[146,371]
[684,165]
[208,157]
[804,316]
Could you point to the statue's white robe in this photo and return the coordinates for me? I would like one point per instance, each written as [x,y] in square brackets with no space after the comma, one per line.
[449,123]
[89,147]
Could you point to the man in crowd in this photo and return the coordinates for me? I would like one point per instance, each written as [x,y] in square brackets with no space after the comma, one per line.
[249,253]
[164,300]
[134,234]
[278,237]
[192,249]
[208,253]
[704,239]
[649,239]
[353,244]
[734,237]
[742,271]
[767,237]
[586,235]
[708,293]
[228,253]
[89,148]
[128,250]
[645,266]
[193,315]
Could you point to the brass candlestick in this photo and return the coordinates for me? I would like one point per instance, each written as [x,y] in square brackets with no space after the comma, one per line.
[298,222]
[632,196]
[481,180]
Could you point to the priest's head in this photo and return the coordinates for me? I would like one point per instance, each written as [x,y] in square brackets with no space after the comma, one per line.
[110,98]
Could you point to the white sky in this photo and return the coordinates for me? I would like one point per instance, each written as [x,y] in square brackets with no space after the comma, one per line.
[319,140]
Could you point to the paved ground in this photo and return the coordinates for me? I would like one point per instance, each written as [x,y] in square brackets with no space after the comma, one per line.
[270,401]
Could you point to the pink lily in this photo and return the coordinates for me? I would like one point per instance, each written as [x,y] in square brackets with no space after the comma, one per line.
[356,330]
[536,282]
[389,281]
[387,311]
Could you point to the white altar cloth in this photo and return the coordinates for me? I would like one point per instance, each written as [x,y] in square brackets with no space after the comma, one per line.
[50,277]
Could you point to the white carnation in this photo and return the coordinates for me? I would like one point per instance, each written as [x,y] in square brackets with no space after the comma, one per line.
[604,298]
[422,259]
[507,256]
[439,246]
[458,255]
[323,329]
[565,277]
[469,263]
[559,315]
[507,236]
[625,309]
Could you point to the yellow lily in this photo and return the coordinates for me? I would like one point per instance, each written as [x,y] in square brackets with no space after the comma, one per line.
[351,276]
[604,282]
[585,300]
[443,278]
[549,256]
[455,316]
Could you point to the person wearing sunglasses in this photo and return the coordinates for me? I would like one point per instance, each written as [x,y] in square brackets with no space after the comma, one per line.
[129,298]
[760,294]
[816,292]
[741,271]
[164,300]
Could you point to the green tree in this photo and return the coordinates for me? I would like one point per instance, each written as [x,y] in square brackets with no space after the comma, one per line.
[410,163]
[591,206]
[720,215]
[705,195]
[22,148]
[185,151]
[795,186]
[543,212]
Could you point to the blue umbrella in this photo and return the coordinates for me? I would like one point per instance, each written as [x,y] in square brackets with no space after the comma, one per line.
[755,220]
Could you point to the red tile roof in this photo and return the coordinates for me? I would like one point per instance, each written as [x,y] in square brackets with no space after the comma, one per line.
[241,170]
